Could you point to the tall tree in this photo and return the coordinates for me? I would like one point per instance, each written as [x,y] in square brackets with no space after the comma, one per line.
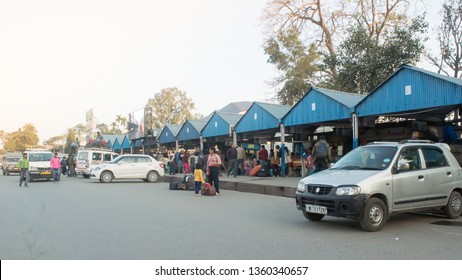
[25,137]
[325,24]
[170,106]
[450,40]
[363,63]
[297,64]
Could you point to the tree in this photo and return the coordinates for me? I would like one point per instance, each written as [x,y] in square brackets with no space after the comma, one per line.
[297,64]
[69,140]
[449,35]
[56,142]
[170,106]
[325,25]
[363,63]
[121,122]
[25,137]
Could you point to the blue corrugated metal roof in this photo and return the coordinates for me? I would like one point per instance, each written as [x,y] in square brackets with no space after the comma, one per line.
[191,130]
[346,98]
[138,143]
[220,124]
[261,116]
[124,142]
[116,145]
[321,105]
[110,139]
[230,118]
[169,133]
[276,110]
[411,89]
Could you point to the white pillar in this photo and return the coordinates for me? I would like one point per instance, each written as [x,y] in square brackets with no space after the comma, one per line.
[354,124]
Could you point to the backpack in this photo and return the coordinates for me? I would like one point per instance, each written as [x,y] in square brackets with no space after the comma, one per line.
[321,150]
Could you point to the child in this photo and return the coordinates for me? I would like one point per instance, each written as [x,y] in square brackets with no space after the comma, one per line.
[198,179]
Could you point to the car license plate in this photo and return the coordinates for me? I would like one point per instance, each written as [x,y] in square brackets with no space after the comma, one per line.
[45,173]
[316,209]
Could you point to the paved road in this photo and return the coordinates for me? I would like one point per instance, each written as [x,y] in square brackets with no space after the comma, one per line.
[83,219]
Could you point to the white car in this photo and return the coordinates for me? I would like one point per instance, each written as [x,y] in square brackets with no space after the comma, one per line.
[129,166]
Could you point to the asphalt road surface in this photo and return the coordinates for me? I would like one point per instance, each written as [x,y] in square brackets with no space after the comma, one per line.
[133,220]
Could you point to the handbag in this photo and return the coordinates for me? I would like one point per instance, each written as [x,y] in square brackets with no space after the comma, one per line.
[208,189]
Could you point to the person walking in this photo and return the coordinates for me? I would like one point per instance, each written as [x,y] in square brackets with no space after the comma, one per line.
[231,155]
[55,165]
[71,160]
[23,165]
[186,157]
[240,159]
[213,167]
[198,179]
[321,154]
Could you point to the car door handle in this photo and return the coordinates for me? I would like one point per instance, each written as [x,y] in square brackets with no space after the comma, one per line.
[449,173]
[421,177]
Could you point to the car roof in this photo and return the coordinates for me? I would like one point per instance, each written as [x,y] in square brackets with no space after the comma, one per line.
[406,143]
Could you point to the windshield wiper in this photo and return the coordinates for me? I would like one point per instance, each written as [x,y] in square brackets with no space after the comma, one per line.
[371,168]
[350,167]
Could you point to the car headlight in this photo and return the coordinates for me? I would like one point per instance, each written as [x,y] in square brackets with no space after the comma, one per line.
[348,190]
[33,168]
[301,186]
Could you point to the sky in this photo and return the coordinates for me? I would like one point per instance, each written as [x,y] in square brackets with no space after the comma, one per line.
[61,58]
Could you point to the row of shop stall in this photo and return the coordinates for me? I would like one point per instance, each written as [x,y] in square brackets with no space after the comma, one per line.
[410,99]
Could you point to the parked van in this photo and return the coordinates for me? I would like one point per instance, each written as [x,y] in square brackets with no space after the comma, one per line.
[88,158]
[39,164]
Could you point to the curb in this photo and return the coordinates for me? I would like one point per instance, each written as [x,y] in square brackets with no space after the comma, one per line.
[248,187]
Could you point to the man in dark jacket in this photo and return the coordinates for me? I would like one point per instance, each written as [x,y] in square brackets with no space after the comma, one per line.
[231,155]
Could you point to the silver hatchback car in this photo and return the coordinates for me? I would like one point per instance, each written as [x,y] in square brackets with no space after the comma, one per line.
[374,181]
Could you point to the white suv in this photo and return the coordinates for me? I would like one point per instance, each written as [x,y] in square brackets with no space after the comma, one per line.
[129,167]
[89,158]
[39,164]
[374,181]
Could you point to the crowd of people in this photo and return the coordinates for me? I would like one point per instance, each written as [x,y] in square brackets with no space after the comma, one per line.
[236,161]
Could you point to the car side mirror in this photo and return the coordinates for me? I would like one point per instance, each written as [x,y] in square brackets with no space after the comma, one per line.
[403,166]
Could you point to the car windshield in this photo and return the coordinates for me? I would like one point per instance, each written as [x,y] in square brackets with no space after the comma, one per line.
[40,157]
[13,159]
[367,158]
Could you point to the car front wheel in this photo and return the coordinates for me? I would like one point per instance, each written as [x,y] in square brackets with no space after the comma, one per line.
[454,207]
[374,215]
[152,176]
[106,177]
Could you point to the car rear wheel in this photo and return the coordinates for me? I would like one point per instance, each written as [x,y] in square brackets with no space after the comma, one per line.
[313,217]
[106,177]
[454,207]
[153,176]
[374,215]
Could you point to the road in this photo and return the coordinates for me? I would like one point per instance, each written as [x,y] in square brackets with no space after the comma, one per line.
[133,220]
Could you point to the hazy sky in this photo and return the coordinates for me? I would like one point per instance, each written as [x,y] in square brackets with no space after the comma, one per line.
[60,58]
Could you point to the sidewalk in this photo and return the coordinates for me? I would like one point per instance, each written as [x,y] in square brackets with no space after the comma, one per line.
[281,186]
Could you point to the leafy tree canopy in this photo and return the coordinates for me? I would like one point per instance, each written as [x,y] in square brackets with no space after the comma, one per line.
[297,65]
[170,106]
[25,137]
[363,63]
